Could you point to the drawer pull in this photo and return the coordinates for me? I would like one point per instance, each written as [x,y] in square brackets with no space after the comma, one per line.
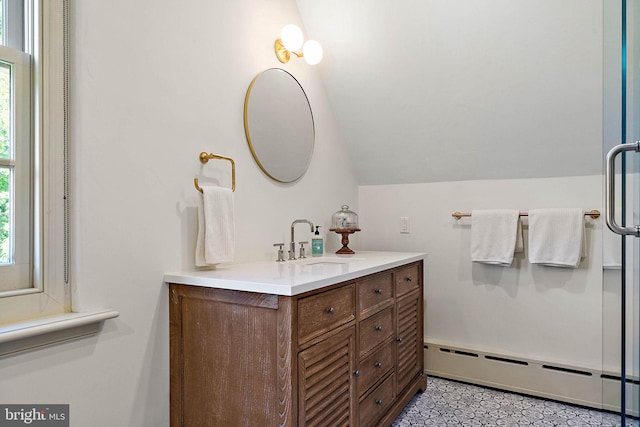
[408,279]
[378,328]
[379,402]
[399,339]
[379,291]
[356,373]
[378,365]
[331,310]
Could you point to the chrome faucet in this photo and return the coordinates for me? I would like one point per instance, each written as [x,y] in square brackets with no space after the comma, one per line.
[292,245]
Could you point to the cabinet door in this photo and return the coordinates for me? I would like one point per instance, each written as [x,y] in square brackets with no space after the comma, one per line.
[326,382]
[409,339]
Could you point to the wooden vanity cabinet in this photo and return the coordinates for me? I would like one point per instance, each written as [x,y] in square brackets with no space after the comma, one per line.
[348,354]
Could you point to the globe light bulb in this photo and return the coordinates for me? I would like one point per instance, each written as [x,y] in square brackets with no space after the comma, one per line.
[312,51]
[292,37]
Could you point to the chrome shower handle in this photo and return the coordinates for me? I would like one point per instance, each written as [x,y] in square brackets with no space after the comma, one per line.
[609,189]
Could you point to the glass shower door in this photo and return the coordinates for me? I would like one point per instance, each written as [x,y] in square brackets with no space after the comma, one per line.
[621,237]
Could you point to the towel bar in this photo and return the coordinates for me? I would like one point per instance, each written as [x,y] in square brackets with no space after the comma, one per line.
[205,157]
[593,213]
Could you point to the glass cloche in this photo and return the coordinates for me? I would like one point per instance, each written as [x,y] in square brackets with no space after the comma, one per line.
[344,222]
[344,219]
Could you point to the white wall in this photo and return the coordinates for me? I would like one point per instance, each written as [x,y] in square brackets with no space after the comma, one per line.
[543,313]
[435,90]
[153,85]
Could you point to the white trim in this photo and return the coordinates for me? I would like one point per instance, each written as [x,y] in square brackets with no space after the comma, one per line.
[35,333]
[558,381]
[43,315]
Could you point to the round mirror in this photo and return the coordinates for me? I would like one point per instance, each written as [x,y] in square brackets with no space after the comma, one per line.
[279,125]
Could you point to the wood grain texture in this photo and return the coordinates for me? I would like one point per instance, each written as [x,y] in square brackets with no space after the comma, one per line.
[348,354]
[326,390]
[287,370]
[408,279]
[377,402]
[319,313]
[375,366]
[223,346]
[374,293]
[375,330]
[410,354]
[175,356]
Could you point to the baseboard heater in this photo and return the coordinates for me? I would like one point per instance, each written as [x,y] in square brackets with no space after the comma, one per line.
[565,383]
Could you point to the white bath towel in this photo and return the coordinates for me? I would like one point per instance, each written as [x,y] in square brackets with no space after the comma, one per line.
[495,235]
[216,227]
[556,237]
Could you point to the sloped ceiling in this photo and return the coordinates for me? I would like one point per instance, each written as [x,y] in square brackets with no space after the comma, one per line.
[436,90]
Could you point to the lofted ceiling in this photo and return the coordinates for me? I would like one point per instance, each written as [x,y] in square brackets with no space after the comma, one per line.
[435,90]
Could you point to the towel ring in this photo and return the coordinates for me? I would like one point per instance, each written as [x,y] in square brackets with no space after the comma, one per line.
[205,157]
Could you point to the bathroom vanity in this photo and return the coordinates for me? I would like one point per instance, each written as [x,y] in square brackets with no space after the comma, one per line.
[335,340]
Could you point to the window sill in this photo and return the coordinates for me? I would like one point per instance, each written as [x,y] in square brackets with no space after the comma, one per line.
[35,333]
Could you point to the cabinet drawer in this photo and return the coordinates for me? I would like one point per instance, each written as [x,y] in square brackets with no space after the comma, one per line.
[375,330]
[322,312]
[406,280]
[375,404]
[374,293]
[375,367]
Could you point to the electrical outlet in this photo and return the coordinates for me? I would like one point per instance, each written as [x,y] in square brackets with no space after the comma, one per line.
[404,224]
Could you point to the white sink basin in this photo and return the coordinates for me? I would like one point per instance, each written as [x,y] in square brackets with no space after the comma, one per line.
[332,260]
[327,263]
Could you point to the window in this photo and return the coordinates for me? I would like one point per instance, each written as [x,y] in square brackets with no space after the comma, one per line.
[16,213]
[35,301]
[33,248]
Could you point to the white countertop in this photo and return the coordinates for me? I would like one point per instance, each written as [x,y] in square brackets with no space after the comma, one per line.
[293,277]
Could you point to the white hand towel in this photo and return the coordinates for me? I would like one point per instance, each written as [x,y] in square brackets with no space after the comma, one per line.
[216,227]
[494,236]
[556,237]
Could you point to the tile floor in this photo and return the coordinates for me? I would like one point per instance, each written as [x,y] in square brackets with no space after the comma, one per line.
[452,403]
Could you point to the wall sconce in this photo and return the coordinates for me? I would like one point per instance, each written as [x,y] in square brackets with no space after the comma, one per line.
[291,40]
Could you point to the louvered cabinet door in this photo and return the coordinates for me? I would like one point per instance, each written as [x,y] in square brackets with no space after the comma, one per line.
[408,339]
[326,394]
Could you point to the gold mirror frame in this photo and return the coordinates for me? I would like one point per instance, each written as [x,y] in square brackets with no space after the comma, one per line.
[278,123]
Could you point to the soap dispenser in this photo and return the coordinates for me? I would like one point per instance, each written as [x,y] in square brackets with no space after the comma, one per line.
[317,243]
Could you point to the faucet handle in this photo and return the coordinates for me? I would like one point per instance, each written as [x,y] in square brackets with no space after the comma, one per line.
[302,255]
[280,252]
